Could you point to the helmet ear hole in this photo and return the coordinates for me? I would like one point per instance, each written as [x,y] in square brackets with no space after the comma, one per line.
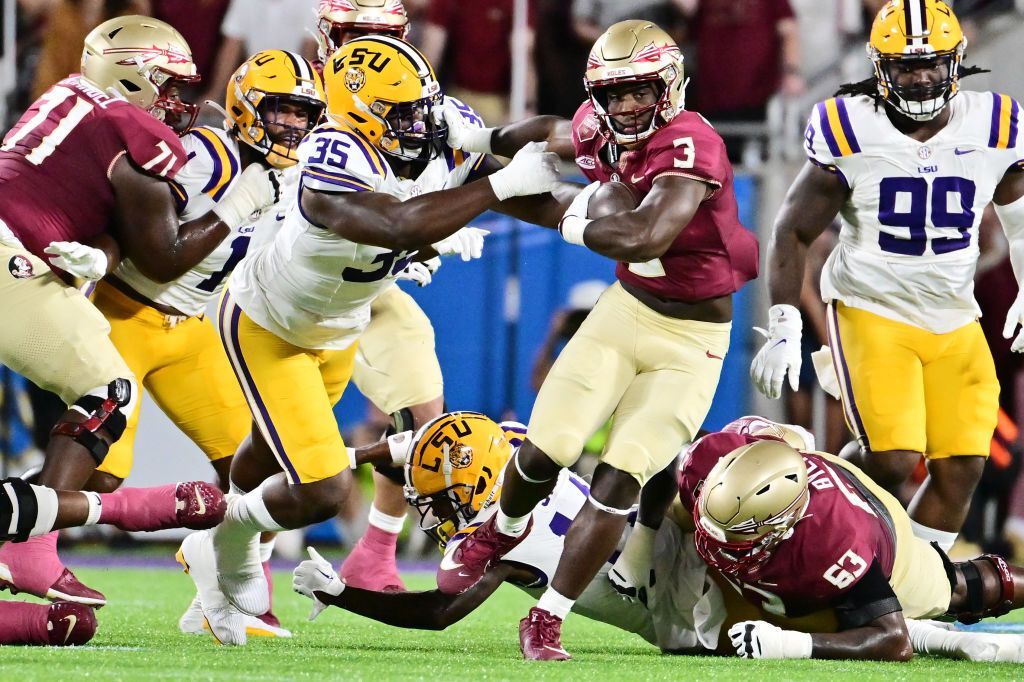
[129,86]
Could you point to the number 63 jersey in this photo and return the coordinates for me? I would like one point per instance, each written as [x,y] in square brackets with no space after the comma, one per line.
[313,288]
[908,246]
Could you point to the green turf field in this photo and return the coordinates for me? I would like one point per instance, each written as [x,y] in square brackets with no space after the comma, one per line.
[138,639]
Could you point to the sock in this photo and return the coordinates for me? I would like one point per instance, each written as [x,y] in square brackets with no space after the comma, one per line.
[555,604]
[95,508]
[34,563]
[24,623]
[637,557]
[510,525]
[945,539]
[972,646]
[270,581]
[382,531]
[250,511]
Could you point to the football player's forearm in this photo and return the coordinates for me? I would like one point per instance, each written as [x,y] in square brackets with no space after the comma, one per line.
[865,644]
[556,131]
[196,240]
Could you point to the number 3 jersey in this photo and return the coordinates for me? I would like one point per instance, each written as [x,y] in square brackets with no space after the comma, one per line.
[312,287]
[213,165]
[908,246]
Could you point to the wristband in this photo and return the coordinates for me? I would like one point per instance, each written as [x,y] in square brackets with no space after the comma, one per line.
[572,228]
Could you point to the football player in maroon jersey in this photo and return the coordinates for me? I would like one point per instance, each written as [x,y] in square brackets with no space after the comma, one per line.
[92,162]
[797,533]
[651,351]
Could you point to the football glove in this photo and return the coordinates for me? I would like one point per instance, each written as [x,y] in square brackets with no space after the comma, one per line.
[462,135]
[575,220]
[416,272]
[78,259]
[533,170]
[758,639]
[1014,317]
[780,356]
[316,575]
[468,243]
[257,188]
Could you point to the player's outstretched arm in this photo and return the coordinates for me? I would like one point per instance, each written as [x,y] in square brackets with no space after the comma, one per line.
[883,639]
[379,219]
[556,131]
[1008,200]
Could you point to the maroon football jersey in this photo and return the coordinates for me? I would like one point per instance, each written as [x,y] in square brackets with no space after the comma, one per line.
[55,162]
[714,254]
[843,531]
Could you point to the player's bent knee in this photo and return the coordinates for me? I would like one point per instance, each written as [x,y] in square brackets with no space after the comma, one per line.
[891,467]
[106,410]
[614,487]
[562,449]
[324,498]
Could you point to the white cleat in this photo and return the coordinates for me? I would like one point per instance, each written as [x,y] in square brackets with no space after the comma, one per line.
[994,648]
[194,622]
[239,570]
[196,556]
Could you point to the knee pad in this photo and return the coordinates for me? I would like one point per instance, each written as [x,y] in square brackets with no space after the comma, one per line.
[17,504]
[979,604]
[106,408]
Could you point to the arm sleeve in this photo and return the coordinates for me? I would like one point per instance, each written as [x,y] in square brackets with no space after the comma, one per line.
[335,161]
[868,599]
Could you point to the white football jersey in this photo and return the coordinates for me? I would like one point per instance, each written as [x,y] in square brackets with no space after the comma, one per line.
[213,164]
[313,288]
[686,610]
[908,246]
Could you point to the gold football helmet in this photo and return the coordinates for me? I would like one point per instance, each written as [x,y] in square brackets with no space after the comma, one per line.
[260,91]
[748,503]
[145,61]
[638,52]
[384,89]
[453,469]
[338,21]
[910,34]
[797,436]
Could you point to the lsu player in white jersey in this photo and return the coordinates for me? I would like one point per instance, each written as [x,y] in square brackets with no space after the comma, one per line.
[396,366]
[453,469]
[273,100]
[910,161]
[378,184]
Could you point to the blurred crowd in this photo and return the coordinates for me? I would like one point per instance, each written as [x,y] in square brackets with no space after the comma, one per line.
[510,58]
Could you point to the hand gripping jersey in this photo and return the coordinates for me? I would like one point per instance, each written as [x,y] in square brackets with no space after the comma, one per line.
[686,610]
[55,163]
[908,246]
[313,288]
[844,530]
[714,254]
[213,164]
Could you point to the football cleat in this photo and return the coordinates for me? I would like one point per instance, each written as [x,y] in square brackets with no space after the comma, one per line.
[238,567]
[226,623]
[69,624]
[192,622]
[195,622]
[540,637]
[484,547]
[28,567]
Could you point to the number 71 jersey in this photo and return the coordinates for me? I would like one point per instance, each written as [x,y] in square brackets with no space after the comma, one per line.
[908,247]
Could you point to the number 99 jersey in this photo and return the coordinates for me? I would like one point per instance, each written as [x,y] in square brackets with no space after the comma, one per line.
[908,246]
[310,286]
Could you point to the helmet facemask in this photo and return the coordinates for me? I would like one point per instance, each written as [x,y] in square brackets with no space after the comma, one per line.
[168,106]
[631,127]
[278,140]
[444,513]
[915,101]
[410,131]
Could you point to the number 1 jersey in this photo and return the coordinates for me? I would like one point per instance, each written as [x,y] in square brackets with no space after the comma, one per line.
[908,246]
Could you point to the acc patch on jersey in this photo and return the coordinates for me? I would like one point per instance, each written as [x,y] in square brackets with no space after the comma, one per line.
[20,267]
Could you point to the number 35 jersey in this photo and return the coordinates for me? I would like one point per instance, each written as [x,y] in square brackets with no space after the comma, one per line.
[213,165]
[908,246]
[312,287]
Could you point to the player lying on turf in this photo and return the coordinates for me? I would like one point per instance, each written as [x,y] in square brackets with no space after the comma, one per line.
[452,474]
[30,511]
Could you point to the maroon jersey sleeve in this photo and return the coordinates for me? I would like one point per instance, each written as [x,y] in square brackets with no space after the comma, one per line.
[586,139]
[152,146]
[700,458]
[693,150]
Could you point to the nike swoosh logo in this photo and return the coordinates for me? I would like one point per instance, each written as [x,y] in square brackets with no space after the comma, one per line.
[202,505]
[73,620]
[779,343]
[636,178]
[713,356]
[323,574]
[448,562]
[961,152]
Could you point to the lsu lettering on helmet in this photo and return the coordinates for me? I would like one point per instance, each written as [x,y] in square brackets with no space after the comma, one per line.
[635,52]
[453,469]
[384,89]
[338,21]
[909,34]
[273,100]
[748,504]
[145,61]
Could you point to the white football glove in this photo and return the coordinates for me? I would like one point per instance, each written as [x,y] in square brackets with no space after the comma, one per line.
[78,259]
[257,188]
[1015,316]
[575,220]
[416,272]
[462,135]
[758,639]
[533,170]
[780,355]
[468,243]
[400,444]
[316,575]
